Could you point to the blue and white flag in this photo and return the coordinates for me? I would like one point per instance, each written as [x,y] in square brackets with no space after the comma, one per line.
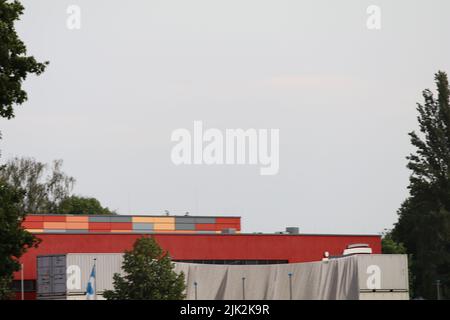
[91,286]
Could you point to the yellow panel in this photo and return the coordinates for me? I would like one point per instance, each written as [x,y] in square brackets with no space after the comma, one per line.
[77,225]
[54,225]
[175,231]
[77,219]
[35,230]
[164,226]
[170,220]
[237,231]
[165,220]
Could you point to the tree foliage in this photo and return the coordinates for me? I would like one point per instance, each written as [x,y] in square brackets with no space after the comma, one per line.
[424,218]
[47,189]
[14,240]
[15,65]
[148,275]
[390,246]
[45,186]
[82,205]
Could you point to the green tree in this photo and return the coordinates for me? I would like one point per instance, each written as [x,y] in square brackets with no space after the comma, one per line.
[15,65]
[14,240]
[148,275]
[45,186]
[82,205]
[390,246]
[424,219]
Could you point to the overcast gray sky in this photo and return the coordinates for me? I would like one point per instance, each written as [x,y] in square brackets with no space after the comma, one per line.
[342,96]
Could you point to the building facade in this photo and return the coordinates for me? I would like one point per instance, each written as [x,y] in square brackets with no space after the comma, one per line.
[212,240]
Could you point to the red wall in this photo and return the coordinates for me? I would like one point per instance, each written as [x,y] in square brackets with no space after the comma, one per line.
[26,296]
[294,248]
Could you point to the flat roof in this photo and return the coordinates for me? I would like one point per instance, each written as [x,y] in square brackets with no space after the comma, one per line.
[126,215]
[214,234]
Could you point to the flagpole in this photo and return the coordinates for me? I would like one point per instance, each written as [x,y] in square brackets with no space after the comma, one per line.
[22,284]
[95,279]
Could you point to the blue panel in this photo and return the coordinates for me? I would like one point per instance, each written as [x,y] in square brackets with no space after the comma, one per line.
[184,226]
[142,226]
[184,220]
[205,220]
[121,219]
[99,219]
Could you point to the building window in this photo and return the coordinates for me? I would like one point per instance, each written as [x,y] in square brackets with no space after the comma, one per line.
[28,286]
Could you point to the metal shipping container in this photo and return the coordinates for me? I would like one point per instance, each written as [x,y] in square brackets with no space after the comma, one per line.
[67,275]
[51,278]
[383,272]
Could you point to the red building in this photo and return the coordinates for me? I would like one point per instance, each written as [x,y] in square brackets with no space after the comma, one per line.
[194,239]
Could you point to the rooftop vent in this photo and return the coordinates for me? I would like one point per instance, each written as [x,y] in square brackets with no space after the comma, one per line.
[292,230]
[357,245]
[357,248]
[228,230]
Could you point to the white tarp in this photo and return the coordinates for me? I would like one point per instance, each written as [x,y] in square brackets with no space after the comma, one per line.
[374,276]
[332,280]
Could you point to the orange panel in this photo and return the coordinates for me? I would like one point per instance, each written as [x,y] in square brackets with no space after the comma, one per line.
[221,226]
[205,226]
[77,219]
[60,218]
[169,220]
[35,230]
[174,231]
[228,220]
[34,217]
[33,225]
[54,225]
[164,226]
[77,225]
[122,226]
[100,226]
